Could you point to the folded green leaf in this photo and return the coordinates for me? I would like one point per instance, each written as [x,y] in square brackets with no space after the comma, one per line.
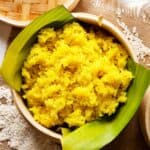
[20,47]
[97,134]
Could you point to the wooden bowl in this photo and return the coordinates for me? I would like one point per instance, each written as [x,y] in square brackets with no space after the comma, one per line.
[87,18]
[20,13]
[144,116]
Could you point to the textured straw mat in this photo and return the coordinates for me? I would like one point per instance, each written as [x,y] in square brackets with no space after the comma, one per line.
[26,9]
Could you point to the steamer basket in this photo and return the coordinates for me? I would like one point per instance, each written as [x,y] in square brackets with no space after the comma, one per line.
[22,12]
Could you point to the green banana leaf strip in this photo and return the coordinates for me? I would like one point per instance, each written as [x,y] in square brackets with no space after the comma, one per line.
[97,134]
[20,47]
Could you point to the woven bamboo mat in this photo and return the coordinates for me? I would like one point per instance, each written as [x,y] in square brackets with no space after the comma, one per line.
[26,9]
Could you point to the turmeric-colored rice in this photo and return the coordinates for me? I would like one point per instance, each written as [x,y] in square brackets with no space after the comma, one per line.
[74,75]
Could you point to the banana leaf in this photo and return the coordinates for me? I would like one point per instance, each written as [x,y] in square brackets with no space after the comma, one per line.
[20,47]
[97,134]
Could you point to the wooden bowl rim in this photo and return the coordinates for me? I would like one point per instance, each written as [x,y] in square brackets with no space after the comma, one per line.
[87,18]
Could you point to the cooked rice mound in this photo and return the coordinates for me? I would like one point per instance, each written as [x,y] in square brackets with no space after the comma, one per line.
[74,75]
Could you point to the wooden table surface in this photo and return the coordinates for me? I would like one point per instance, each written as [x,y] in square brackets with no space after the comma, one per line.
[131,138]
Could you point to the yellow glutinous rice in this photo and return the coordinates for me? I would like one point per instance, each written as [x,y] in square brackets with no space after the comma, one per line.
[74,75]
